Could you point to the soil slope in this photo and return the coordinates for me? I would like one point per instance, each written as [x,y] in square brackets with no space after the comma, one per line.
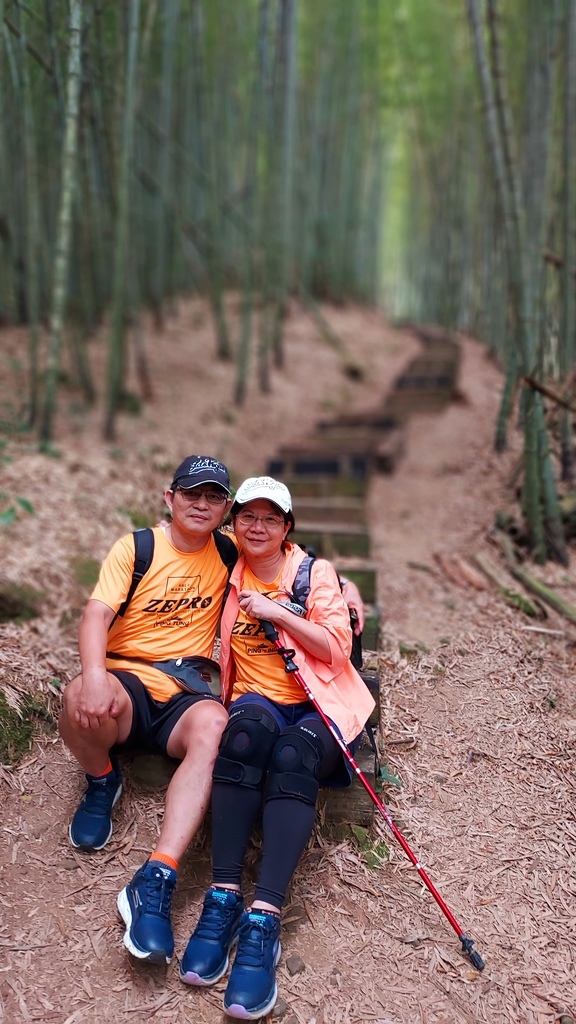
[478,713]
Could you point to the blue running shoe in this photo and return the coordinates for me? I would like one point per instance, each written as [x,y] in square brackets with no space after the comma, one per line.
[145,907]
[206,957]
[251,991]
[91,826]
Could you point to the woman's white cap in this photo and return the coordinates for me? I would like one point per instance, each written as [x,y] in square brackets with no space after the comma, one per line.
[264,487]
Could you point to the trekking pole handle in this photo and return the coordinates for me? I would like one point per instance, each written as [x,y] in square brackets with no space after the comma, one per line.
[271,634]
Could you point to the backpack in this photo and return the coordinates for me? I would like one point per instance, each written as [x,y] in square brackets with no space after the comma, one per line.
[300,591]
[144,553]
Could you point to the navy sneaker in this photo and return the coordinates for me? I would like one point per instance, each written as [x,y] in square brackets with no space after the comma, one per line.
[206,957]
[91,826]
[145,907]
[251,991]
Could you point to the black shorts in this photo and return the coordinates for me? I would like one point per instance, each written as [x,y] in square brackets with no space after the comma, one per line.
[153,720]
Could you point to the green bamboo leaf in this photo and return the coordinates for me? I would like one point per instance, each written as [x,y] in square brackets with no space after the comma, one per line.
[8,517]
[26,505]
[385,776]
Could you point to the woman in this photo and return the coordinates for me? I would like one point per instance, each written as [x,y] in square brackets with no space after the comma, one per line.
[275,751]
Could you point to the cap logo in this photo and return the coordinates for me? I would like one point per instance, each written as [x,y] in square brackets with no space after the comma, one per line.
[205,463]
[265,481]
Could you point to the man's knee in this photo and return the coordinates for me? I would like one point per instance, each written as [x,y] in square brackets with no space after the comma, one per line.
[199,728]
[69,701]
[246,747]
[294,765]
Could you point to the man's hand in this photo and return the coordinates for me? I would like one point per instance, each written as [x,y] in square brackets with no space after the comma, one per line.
[353,599]
[96,701]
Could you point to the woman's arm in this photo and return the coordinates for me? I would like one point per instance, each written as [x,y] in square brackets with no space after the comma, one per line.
[312,636]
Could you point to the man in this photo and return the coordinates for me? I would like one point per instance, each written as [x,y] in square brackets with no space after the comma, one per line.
[122,700]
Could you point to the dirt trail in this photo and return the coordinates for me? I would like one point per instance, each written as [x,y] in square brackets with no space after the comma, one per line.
[480,723]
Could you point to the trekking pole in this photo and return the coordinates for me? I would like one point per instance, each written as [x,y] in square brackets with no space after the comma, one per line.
[287,654]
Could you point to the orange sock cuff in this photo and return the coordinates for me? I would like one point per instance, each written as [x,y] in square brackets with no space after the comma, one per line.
[109,768]
[164,859]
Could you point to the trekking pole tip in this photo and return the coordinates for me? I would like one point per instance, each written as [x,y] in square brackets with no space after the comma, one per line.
[468,947]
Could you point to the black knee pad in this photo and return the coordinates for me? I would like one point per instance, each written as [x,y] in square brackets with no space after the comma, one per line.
[294,765]
[246,745]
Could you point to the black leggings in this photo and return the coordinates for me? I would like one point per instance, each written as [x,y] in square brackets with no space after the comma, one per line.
[287,823]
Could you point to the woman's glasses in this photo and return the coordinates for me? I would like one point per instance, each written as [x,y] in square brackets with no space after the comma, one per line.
[270,521]
[191,494]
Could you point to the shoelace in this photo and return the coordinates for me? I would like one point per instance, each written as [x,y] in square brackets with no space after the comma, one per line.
[254,938]
[214,920]
[99,795]
[159,890]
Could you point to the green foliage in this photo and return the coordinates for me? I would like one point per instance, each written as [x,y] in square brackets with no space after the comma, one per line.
[375,853]
[17,728]
[520,603]
[86,571]
[10,514]
[386,777]
[140,518]
[19,602]
[412,650]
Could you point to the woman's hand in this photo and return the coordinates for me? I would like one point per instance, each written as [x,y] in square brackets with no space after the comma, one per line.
[312,636]
[257,606]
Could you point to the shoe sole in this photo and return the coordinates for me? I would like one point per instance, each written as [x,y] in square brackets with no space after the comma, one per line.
[124,909]
[191,978]
[241,1013]
[86,846]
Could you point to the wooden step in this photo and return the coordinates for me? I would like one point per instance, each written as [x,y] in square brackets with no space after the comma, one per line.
[316,461]
[372,681]
[412,401]
[329,509]
[352,804]
[372,419]
[326,486]
[363,573]
[371,632]
[332,539]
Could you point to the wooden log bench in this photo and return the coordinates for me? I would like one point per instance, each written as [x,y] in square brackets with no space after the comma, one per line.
[336,806]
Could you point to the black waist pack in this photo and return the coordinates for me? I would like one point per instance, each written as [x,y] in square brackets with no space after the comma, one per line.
[194,675]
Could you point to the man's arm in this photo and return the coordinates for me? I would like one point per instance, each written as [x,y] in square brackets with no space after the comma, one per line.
[353,599]
[96,700]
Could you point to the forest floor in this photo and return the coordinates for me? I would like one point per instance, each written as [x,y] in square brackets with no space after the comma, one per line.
[478,711]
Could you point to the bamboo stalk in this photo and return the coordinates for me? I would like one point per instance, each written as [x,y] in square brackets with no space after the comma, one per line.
[62,254]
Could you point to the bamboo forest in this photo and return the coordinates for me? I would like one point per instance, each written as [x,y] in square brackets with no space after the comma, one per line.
[287,511]
[416,156]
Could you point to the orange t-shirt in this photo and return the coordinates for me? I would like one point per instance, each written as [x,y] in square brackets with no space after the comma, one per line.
[258,665]
[174,612]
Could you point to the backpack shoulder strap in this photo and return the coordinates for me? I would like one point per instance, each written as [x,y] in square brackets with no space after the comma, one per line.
[143,554]
[226,549]
[301,584]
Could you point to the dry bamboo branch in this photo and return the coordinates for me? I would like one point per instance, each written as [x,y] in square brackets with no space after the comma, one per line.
[511,597]
[548,392]
[532,584]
